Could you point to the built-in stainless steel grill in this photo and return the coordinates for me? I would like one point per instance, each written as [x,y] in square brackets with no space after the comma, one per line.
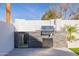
[47,30]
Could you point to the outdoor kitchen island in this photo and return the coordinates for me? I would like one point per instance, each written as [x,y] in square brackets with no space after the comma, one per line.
[35,34]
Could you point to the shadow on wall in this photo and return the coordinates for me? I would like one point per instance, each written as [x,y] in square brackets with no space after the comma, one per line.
[6,38]
[27,39]
[34,42]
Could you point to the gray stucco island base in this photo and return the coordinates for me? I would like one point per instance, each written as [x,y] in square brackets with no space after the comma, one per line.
[35,40]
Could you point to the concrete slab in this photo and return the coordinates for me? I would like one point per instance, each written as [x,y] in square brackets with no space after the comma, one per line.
[41,52]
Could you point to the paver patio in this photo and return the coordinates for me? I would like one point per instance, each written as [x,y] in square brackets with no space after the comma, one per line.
[41,52]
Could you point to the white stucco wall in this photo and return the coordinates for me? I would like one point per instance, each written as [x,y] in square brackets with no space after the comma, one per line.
[60,23]
[6,38]
[74,44]
[30,25]
[33,25]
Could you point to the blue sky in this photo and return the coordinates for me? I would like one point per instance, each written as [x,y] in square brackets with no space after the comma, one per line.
[31,11]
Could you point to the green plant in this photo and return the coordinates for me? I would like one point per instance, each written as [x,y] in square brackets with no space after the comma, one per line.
[50,14]
[76,50]
[70,30]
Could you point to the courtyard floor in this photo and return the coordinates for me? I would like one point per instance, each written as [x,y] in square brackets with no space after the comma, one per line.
[41,52]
